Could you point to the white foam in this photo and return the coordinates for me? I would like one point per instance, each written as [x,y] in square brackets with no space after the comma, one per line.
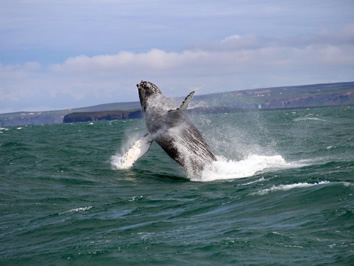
[287,187]
[82,209]
[3,129]
[256,181]
[309,118]
[117,161]
[223,169]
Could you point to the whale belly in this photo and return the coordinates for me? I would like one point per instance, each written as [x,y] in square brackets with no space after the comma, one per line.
[186,145]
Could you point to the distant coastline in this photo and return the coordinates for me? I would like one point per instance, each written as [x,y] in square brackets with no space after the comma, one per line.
[98,116]
[137,114]
[289,97]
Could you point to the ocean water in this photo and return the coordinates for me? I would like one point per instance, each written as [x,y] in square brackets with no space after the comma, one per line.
[280,194]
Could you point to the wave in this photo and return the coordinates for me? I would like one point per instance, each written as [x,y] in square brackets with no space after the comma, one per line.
[224,169]
[309,118]
[288,187]
[3,129]
[82,209]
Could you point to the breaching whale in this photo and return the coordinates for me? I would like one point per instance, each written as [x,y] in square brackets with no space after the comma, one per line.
[172,129]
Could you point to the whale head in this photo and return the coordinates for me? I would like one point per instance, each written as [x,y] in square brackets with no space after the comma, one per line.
[146,90]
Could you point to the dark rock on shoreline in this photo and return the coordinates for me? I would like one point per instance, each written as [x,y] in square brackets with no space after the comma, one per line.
[98,116]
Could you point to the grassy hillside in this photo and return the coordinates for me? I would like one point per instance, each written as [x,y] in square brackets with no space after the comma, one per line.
[283,97]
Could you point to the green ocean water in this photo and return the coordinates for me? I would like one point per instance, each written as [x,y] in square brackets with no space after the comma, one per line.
[280,194]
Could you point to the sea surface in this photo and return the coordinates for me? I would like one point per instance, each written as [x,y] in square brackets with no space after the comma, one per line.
[281,193]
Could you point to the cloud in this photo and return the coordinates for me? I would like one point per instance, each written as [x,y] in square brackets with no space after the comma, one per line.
[36,30]
[150,61]
[233,54]
[232,63]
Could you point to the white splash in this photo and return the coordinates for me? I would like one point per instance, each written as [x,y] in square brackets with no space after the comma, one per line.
[288,187]
[223,169]
[82,209]
[117,161]
[3,129]
[309,117]
[256,181]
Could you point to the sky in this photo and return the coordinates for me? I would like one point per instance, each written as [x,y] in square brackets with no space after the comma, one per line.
[62,54]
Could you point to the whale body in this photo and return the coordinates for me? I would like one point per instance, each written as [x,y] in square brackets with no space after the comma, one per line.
[170,127]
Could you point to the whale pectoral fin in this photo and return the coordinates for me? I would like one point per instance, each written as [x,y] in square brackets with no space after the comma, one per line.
[184,104]
[186,101]
[140,147]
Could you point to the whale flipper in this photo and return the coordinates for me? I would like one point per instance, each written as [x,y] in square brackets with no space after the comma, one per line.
[140,147]
[186,101]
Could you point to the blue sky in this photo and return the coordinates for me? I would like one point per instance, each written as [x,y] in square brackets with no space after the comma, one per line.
[71,53]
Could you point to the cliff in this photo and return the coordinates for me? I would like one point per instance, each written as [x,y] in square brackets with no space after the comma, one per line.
[97,116]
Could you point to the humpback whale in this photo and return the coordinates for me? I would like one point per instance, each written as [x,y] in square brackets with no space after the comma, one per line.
[170,127]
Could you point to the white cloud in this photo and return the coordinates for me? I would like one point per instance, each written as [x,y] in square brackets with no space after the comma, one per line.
[151,61]
[233,63]
[232,55]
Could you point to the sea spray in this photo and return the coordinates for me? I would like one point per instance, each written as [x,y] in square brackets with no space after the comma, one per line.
[224,169]
[243,145]
[236,136]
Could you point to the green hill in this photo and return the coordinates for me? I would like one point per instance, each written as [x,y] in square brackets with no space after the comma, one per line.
[284,97]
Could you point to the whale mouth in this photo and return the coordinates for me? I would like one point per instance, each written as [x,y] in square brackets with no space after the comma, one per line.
[141,94]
